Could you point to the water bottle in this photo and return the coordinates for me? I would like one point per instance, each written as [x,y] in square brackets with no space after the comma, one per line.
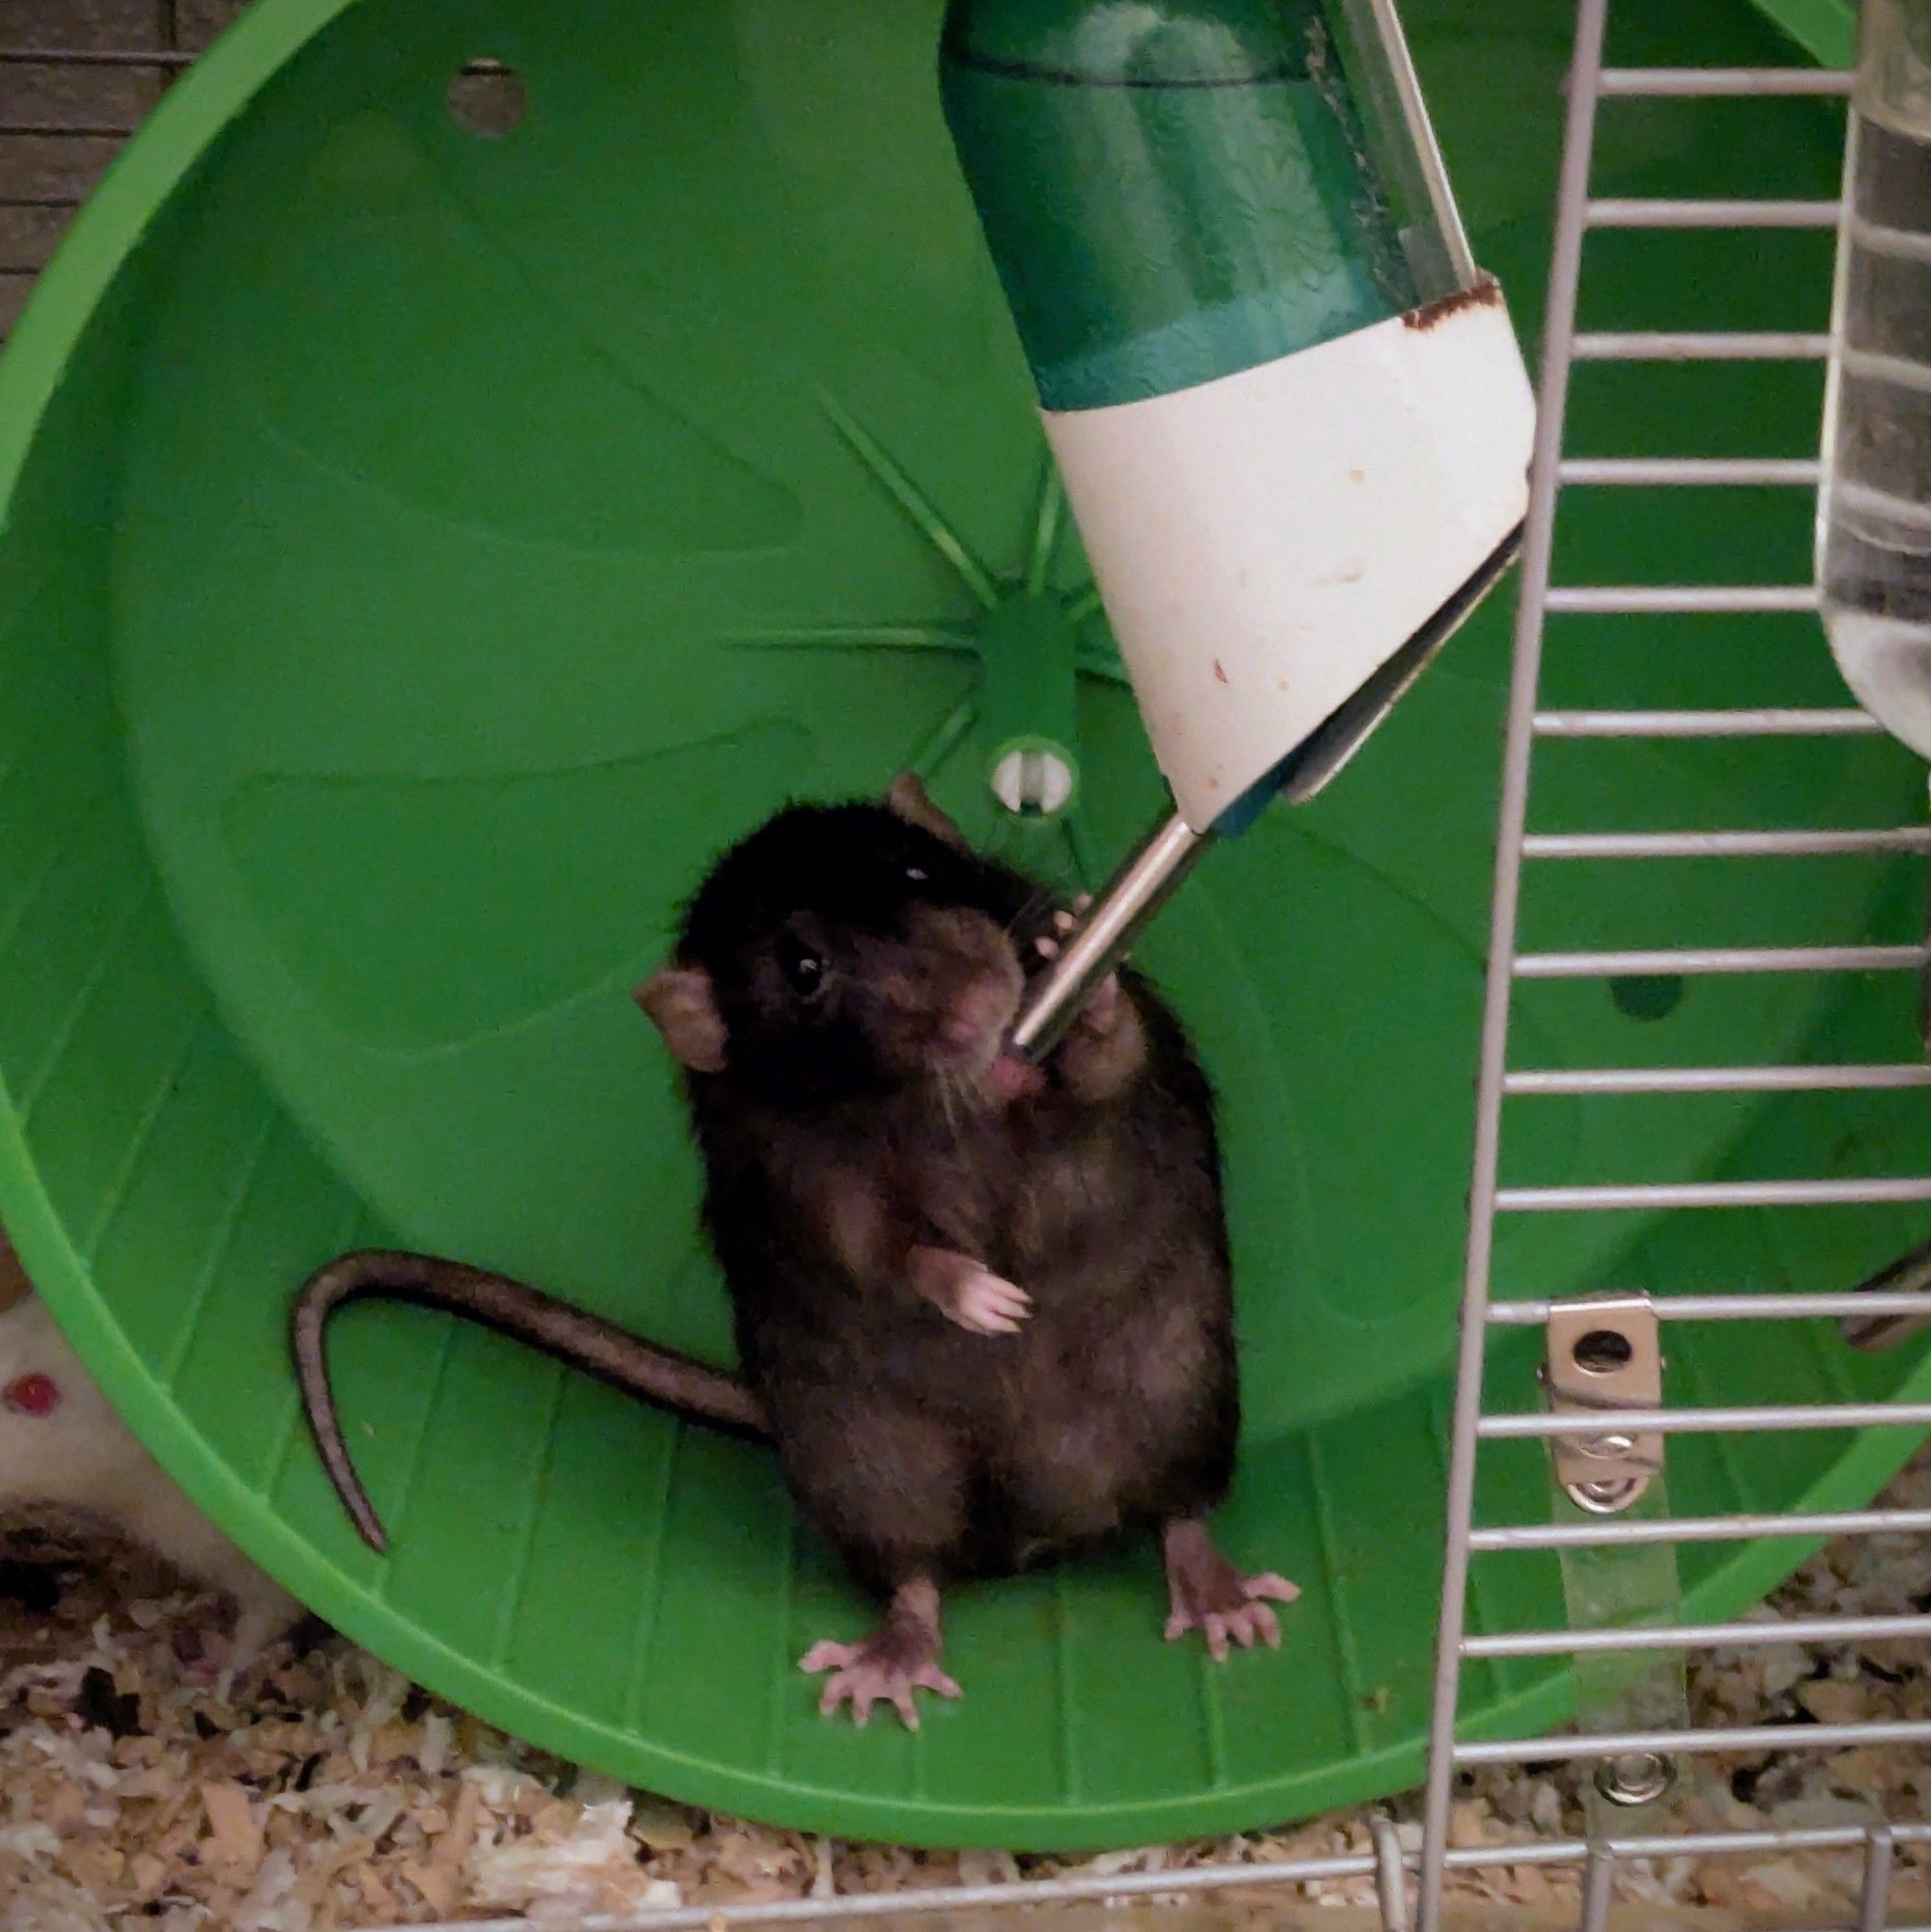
[1290,413]
[1874,510]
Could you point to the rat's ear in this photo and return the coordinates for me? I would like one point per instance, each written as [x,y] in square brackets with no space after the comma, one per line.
[684,1005]
[907,798]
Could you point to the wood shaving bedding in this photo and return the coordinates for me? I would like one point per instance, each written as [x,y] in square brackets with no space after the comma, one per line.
[141,1785]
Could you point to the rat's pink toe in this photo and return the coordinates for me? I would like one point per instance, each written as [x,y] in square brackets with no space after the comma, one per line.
[1256,1624]
[827,1656]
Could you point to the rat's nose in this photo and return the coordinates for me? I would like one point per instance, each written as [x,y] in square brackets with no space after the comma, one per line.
[975,1015]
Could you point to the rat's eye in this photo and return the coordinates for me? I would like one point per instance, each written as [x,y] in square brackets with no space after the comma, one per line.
[917,874]
[804,969]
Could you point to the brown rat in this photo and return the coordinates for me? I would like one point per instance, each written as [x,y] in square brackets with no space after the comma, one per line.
[983,1309]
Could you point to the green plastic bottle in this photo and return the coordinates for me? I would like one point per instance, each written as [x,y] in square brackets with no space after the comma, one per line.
[1172,189]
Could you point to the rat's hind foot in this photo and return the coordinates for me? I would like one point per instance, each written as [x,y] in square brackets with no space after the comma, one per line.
[1206,1592]
[862,1677]
[899,1658]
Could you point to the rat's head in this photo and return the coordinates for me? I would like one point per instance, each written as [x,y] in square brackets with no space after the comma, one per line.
[845,950]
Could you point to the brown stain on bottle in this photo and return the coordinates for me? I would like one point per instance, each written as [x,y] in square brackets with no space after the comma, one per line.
[1485,294]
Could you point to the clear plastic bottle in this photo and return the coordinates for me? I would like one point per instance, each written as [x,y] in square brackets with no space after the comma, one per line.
[1874,521]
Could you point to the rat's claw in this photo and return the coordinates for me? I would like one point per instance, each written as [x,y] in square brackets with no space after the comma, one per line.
[1256,1624]
[1213,1629]
[929,1677]
[848,1686]
[855,1680]
[1047,949]
[1225,1630]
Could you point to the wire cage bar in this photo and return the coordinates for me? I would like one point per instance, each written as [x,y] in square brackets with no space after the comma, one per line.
[1700,346]
[1769,721]
[1538,556]
[1474,1425]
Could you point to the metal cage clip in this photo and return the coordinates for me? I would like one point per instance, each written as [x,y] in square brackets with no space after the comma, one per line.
[1604,1354]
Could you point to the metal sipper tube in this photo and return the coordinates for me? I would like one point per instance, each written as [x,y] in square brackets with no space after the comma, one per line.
[1140,888]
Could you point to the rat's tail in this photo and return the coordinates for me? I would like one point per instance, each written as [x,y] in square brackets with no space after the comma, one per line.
[598,1348]
[1908,1274]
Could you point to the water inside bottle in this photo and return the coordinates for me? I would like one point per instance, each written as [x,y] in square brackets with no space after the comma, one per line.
[1874,547]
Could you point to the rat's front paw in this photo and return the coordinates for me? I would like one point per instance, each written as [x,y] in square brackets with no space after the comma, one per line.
[880,1670]
[1064,925]
[1107,1010]
[964,1292]
[987,1305]
[1105,1049]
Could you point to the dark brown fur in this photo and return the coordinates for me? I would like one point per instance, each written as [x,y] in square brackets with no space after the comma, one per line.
[916,1447]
